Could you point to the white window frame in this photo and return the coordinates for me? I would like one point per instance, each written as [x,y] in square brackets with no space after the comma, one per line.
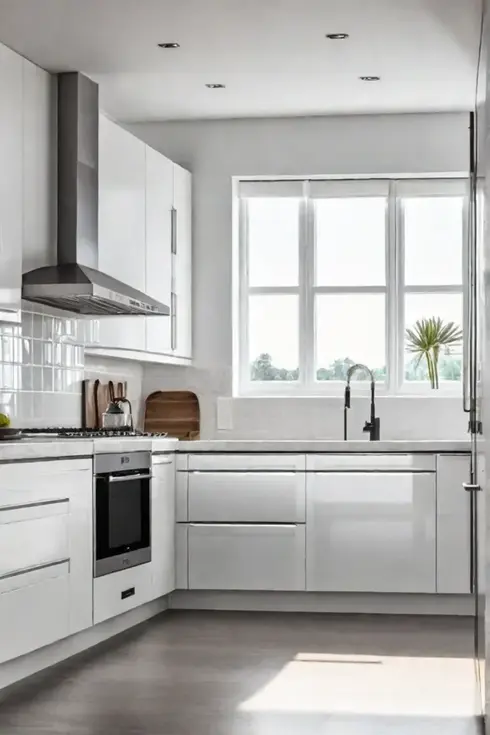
[394,288]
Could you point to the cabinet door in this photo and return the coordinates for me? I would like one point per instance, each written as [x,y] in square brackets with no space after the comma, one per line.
[10,183]
[182,290]
[163,526]
[453,525]
[371,532]
[122,224]
[246,497]
[39,168]
[246,557]
[159,203]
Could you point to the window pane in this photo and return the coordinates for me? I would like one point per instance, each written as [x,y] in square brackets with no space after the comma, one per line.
[350,241]
[273,241]
[433,241]
[350,328]
[449,307]
[273,337]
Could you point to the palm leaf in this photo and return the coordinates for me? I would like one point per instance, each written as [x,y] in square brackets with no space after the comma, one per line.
[426,338]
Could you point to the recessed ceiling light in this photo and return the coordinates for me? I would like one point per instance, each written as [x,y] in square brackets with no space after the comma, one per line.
[370,79]
[169,45]
[215,86]
[337,36]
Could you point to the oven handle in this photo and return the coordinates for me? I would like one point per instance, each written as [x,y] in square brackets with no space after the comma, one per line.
[124,478]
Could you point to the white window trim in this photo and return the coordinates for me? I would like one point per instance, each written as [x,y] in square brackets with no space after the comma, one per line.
[394,289]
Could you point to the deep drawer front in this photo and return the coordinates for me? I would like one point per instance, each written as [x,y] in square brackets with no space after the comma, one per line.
[246,497]
[246,557]
[213,462]
[34,610]
[371,462]
[33,535]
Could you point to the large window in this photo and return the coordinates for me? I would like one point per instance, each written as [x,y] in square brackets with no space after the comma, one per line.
[331,273]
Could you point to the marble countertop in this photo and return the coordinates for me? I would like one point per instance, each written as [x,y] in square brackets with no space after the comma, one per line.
[324,445]
[54,447]
[59,448]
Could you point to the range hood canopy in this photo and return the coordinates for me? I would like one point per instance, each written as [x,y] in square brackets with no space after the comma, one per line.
[75,284]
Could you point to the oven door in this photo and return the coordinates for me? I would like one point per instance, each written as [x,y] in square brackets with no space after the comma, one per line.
[122,521]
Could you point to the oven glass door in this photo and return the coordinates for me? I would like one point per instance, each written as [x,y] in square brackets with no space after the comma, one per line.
[122,521]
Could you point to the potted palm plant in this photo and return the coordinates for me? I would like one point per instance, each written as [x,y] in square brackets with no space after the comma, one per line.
[425,340]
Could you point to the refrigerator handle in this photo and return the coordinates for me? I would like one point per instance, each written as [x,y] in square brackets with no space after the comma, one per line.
[470,263]
[472,489]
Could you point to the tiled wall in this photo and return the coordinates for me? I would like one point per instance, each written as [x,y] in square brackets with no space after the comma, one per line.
[41,370]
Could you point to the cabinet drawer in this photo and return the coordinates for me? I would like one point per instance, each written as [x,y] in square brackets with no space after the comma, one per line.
[247,497]
[116,593]
[32,535]
[371,462]
[246,557]
[34,610]
[218,462]
[33,482]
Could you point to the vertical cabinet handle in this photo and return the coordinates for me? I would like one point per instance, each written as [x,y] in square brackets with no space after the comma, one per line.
[173,219]
[173,320]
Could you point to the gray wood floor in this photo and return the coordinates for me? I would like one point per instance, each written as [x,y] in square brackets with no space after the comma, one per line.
[259,674]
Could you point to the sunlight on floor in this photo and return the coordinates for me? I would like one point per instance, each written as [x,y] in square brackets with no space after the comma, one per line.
[381,685]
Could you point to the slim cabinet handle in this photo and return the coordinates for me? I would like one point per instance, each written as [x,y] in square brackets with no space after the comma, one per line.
[173,220]
[173,320]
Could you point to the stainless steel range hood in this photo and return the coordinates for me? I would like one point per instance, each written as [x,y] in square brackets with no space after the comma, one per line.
[75,284]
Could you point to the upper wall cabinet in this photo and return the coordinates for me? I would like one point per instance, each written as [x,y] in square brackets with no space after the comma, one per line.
[160,223]
[10,183]
[145,240]
[182,290]
[122,226]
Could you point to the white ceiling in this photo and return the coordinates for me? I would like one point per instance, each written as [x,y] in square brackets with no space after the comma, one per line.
[271,54]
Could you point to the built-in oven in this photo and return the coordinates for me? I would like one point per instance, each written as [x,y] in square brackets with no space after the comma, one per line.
[122,511]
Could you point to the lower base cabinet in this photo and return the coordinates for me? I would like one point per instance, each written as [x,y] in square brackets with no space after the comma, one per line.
[371,532]
[246,556]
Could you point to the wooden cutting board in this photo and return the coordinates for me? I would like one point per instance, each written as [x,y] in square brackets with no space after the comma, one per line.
[175,412]
[97,392]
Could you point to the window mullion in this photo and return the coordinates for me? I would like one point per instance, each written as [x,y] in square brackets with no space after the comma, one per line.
[400,288]
[306,278]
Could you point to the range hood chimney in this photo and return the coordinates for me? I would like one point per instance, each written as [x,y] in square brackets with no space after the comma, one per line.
[75,284]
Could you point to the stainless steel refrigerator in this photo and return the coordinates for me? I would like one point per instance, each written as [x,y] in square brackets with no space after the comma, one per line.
[476,372]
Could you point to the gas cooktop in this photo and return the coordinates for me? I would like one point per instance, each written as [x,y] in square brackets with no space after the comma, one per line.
[77,433]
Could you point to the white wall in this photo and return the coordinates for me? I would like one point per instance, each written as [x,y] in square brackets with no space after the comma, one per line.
[217,150]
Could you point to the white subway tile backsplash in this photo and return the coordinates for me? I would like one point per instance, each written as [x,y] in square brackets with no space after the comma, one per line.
[41,370]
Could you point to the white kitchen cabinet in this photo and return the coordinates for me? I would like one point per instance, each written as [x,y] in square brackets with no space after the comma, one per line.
[371,532]
[46,553]
[122,226]
[11,141]
[39,167]
[453,525]
[246,557]
[163,525]
[159,258]
[181,316]
[250,497]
